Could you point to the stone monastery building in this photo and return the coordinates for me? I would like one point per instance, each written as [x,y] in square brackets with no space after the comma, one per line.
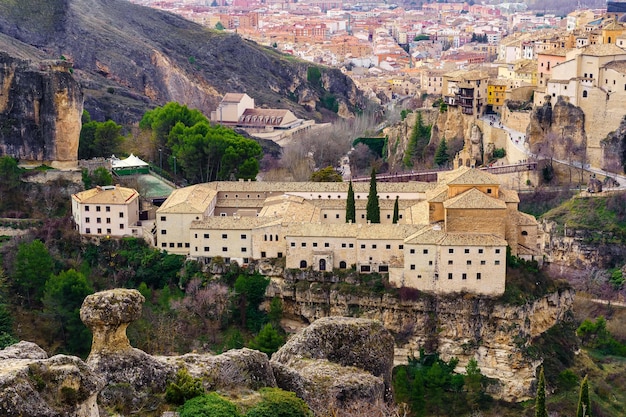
[451,237]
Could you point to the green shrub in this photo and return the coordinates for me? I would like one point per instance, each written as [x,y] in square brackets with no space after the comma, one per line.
[279,403]
[184,388]
[209,405]
[499,153]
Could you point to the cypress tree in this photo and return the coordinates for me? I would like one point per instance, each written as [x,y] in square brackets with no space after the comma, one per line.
[441,155]
[396,211]
[584,403]
[540,401]
[373,209]
[350,205]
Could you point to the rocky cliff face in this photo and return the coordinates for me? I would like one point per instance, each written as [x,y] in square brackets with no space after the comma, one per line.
[466,327]
[581,249]
[40,109]
[130,58]
[557,130]
[399,134]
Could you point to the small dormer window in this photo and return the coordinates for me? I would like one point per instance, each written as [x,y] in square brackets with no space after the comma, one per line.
[488,190]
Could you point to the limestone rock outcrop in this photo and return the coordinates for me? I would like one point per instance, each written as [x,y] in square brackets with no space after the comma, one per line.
[237,368]
[40,111]
[557,130]
[494,333]
[399,134]
[31,384]
[336,362]
[108,314]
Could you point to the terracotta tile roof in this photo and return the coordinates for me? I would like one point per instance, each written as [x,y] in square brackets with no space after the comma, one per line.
[192,199]
[232,223]
[472,176]
[232,97]
[106,195]
[508,196]
[474,199]
[606,49]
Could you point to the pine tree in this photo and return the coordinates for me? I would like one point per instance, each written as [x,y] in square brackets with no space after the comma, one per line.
[441,155]
[350,206]
[396,211]
[584,403]
[373,209]
[540,401]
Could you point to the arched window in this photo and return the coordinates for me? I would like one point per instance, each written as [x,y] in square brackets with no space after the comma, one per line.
[342,265]
[302,264]
[585,94]
[265,238]
[322,264]
[271,238]
[276,239]
[524,233]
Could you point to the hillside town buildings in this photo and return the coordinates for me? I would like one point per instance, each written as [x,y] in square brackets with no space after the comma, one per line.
[451,236]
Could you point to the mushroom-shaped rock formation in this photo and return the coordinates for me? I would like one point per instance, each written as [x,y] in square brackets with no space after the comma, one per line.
[337,362]
[108,314]
[144,377]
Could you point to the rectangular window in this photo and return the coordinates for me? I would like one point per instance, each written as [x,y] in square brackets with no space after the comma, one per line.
[343,245]
[278,255]
[162,218]
[336,216]
[303,244]
[412,267]
[224,249]
[108,220]
[430,262]
[419,276]
[466,250]
[400,247]
[97,208]
[387,246]
[87,230]
[497,262]
[246,260]
[121,226]
[263,255]
[480,251]
[464,276]
[98,220]
[179,245]
[206,235]
[99,231]
[86,219]
[383,268]
[163,244]
[373,246]
[244,236]
[87,207]
[186,244]
[469,261]
[389,216]
[224,236]
[412,251]
[293,244]
[450,262]
[362,246]
[365,268]
[325,216]
[121,215]
[206,248]
[425,251]
[497,250]
[107,209]
[244,249]
[163,231]
[171,244]
[362,216]
[351,245]
[478,275]
[450,250]
[449,275]
[315,244]
[482,262]
[326,245]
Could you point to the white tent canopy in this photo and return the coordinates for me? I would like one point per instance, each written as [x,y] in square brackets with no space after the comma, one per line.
[131,162]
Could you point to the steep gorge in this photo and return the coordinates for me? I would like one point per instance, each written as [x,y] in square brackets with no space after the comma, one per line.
[497,334]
